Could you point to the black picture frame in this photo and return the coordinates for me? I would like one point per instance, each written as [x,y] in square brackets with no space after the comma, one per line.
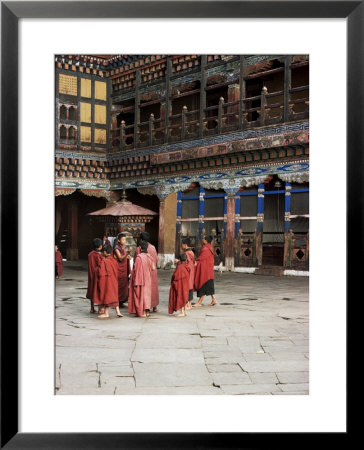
[11,12]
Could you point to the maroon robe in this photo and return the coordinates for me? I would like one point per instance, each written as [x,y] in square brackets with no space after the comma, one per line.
[191,264]
[94,258]
[59,263]
[106,283]
[140,290]
[105,243]
[204,271]
[180,286]
[123,274]
[155,290]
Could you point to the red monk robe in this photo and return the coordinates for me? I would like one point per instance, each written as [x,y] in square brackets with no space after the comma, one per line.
[59,263]
[140,290]
[94,258]
[123,274]
[155,291]
[180,286]
[204,271]
[191,264]
[106,283]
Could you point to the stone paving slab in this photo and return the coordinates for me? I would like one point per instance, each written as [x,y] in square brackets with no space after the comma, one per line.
[250,389]
[164,374]
[274,366]
[254,342]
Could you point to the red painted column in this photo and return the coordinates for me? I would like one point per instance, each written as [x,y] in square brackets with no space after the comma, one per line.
[230,233]
[72,237]
[161,230]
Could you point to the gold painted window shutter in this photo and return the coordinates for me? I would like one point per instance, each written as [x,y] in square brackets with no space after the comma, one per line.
[100,90]
[85,87]
[67,84]
[86,134]
[86,112]
[100,136]
[100,114]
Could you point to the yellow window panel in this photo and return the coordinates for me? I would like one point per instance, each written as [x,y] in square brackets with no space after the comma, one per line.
[100,136]
[86,112]
[85,87]
[100,114]
[67,84]
[100,90]
[85,134]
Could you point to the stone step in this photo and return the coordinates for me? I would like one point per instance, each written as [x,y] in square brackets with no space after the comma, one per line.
[274,271]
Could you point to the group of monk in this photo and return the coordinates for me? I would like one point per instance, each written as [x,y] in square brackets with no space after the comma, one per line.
[112,282]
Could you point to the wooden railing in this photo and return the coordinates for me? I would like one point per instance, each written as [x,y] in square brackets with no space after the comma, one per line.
[218,119]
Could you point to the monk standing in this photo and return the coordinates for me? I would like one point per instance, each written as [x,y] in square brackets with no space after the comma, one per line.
[204,273]
[153,252]
[106,284]
[123,258]
[59,263]
[140,290]
[179,290]
[94,258]
[186,247]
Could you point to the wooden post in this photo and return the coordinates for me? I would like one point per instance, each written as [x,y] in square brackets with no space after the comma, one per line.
[137,107]
[230,228]
[178,222]
[122,135]
[183,123]
[233,96]
[72,250]
[151,128]
[260,221]
[287,87]
[219,115]
[202,93]
[242,95]
[287,223]
[263,103]
[168,98]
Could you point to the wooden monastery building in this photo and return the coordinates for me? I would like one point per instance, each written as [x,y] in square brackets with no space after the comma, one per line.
[215,144]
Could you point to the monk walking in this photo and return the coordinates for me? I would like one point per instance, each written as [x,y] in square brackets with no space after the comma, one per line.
[140,290]
[153,252]
[123,257]
[106,284]
[179,290]
[204,273]
[94,258]
[59,263]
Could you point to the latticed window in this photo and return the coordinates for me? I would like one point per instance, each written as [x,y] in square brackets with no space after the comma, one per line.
[63,132]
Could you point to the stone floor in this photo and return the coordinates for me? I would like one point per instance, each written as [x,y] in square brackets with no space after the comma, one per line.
[255,341]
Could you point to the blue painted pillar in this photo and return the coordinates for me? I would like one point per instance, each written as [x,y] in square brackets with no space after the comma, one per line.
[287,225]
[225,213]
[237,215]
[201,211]
[287,207]
[179,212]
[260,221]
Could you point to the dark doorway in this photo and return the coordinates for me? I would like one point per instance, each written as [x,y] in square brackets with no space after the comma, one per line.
[273,227]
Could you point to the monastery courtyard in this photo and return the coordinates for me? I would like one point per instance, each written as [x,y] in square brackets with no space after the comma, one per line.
[255,341]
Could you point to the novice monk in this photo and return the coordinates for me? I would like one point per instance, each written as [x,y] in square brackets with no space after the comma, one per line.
[204,273]
[140,290]
[179,290]
[59,263]
[105,241]
[106,285]
[186,247]
[94,257]
[123,258]
[153,252]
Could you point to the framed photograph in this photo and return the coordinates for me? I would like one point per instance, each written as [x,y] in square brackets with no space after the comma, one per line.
[160,147]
